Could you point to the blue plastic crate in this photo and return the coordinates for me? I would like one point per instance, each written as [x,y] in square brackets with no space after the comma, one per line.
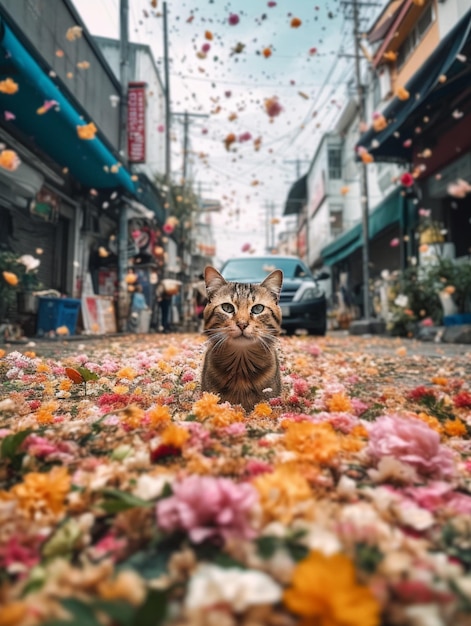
[458,318]
[56,312]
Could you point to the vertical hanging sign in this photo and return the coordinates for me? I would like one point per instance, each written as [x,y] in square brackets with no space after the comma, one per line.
[137,122]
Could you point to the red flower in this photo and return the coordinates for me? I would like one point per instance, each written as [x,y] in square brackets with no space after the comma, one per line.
[407,180]
[421,392]
[164,451]
[463,400]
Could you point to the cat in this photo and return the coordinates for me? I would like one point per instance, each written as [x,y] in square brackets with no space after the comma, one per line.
[242,322]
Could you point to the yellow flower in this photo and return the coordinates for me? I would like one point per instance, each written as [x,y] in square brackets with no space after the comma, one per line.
[455,428]
[175,436]
[325,593]
[262,409]
[159,415]
[120,389]
[206,406]
[43,367]
[284,494]
[318,442]
[223,416]
[339,403]
[126,372]
[41,492]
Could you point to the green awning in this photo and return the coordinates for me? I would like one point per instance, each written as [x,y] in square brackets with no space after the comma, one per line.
[387,213]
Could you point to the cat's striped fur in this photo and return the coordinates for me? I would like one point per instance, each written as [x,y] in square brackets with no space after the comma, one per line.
[242,322]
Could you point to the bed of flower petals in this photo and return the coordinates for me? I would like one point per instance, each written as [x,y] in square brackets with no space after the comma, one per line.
[129,497]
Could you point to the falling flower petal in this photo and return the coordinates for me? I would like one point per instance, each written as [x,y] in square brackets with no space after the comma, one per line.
[8,86]
[9,160]
[233,19]
[88,131]
[295,22]
[73,33]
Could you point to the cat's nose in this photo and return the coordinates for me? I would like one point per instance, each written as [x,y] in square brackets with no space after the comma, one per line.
[242,325]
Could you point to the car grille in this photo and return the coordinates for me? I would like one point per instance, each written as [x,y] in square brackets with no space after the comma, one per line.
[287,296]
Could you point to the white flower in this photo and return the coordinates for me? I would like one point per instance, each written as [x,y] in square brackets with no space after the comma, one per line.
[424,615]
[402,300]
[212,585]
[149,487]
[29,262]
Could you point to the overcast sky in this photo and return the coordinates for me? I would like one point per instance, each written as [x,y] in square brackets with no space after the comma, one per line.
[306,71]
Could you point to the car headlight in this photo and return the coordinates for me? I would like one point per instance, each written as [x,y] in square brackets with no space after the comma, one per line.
[306,293]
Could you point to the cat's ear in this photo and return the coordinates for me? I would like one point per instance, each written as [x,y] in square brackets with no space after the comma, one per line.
[213,280]
[273,283]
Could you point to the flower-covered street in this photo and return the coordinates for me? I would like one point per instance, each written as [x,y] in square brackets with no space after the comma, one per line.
[129,497]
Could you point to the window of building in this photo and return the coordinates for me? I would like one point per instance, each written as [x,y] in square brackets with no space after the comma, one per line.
[334,158]
[415,36]
[336,221]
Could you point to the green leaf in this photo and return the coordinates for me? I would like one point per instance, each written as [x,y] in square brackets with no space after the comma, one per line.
[267,546]
[11,443]
[117,501]
[121,612]
[63,541]
[154,610]
[87,374]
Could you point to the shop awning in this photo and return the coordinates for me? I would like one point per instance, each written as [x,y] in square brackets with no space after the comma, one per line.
[297,197]
[428,92]
[387,213]
[90,161]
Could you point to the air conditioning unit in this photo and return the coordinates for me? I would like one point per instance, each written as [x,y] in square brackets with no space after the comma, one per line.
[385,88]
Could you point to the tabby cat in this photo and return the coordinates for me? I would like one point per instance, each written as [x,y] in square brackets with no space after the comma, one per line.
[242,322]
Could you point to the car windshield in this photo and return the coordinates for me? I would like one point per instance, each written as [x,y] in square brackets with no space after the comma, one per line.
[257,269]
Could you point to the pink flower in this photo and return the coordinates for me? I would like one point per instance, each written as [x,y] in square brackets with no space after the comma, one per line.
[20,554]
[300,387]
[394,242]
[440,495]
[411,441]
[208,508]
[237,429]
[255,467]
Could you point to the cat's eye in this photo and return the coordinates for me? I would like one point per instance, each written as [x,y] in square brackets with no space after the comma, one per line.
[257,308]
[227,307]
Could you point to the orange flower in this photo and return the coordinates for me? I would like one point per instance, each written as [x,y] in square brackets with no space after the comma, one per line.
[126,372]
[229,140]
[284,494]
[9,160]
[266,52]
[8,86]
[41,492]
[65,384]
[455,428]
[132,416]
[87,132]
[45,414]
[440,380]
[10,278]
[324,592]
[430,420]
[295,22]
[13,613]
[318,442]
[402,93]
[208,35]
[2,353]
[207,406]
[43,367]
[159,415]
[175,436]
[262,409]
[339,402]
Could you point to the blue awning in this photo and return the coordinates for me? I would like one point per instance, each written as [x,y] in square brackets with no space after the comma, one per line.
[387,213]
[89,161]
[428,92]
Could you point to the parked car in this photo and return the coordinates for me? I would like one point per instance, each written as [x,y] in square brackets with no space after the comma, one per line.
[302,301]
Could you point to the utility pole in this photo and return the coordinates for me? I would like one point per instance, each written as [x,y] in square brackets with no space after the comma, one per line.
[364,198]
[123,144]
[186,138]
[168,113]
